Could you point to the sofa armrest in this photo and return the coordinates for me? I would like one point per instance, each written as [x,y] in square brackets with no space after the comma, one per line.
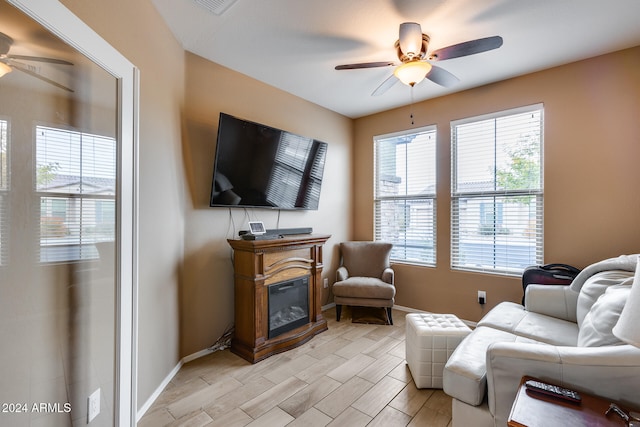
[388,275]
[611,372]
[552,300]
[342,274]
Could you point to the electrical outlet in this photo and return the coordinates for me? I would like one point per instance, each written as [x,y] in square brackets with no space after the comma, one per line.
[93,405]
[482,297]
[326,282]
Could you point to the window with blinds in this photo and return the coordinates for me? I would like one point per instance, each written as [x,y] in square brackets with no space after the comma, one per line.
[497,192]
[76,185]
[4,191]
[297,174]
[405,194]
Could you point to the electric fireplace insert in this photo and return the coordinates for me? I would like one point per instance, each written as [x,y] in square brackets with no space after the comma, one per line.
[288,305]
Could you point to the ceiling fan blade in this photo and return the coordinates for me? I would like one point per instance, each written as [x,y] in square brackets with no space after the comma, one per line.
[442,77]
[466,48]
[364,65]
[40,59]
[385,85]
[38,76]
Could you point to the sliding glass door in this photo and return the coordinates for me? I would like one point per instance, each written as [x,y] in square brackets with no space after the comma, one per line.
[67,209]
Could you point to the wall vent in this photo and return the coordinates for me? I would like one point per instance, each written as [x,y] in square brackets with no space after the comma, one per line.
[215,6]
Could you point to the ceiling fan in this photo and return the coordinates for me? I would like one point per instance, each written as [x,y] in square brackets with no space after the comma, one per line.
[12,62]
[412,46]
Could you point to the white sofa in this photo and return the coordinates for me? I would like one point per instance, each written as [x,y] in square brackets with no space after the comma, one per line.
[563,335]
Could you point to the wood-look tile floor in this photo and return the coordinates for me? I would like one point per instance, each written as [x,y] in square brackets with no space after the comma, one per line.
[351,375]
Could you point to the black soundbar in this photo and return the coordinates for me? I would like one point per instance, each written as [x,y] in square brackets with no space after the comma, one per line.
[248,236]
[279,232]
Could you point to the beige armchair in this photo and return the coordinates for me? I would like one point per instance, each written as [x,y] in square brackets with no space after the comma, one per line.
[365,278]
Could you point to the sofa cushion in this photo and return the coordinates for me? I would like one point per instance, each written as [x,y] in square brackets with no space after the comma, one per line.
[547,329]
[465,374]
[504,316]
[595,286]
[513,318]
[364,287]
[603,316]
[552,300]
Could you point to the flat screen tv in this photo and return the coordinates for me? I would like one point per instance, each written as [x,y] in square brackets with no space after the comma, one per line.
[264,167]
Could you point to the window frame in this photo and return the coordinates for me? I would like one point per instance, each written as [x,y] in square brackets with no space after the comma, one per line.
[498,197]
[430,198]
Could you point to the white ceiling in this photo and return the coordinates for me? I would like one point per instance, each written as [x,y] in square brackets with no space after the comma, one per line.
[294,45]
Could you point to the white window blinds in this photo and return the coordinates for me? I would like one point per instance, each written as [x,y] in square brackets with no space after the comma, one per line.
[76,184]
[497,192]
[405,194]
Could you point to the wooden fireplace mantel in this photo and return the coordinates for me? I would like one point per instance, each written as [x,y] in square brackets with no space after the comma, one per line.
[260,263]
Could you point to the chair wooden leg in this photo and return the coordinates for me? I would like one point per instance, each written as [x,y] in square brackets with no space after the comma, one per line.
[338,312]
[389,315]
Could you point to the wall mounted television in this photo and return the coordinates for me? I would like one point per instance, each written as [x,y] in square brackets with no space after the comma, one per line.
[263,167]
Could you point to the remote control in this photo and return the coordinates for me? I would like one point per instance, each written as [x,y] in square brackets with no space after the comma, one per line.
[553,390]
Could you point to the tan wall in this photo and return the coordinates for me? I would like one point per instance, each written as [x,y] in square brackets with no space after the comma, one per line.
[135,28]
[207,288]
[591,151]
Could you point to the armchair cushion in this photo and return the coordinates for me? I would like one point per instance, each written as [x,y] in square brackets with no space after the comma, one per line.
[365,259]
[356,287]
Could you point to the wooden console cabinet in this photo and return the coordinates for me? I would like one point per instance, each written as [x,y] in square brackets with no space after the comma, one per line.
[260,263]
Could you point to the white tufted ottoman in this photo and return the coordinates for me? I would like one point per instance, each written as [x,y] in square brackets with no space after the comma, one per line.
[430,340]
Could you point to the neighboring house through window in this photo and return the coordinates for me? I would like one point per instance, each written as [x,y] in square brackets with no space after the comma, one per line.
[75,181]
[405,194]
[497,191]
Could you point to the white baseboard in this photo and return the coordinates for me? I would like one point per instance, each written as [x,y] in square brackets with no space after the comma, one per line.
[196,355]
[328,306]
[408,309]
[144,408]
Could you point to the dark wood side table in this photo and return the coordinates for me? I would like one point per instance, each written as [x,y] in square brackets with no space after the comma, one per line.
[535,410]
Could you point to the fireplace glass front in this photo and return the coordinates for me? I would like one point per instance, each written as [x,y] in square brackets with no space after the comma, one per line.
[288,305]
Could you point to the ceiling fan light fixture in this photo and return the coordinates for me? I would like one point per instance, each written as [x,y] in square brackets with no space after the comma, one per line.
[410,39]
[4,69]
[412,73]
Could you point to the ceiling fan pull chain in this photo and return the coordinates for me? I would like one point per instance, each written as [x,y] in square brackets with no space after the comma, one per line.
[411,107]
